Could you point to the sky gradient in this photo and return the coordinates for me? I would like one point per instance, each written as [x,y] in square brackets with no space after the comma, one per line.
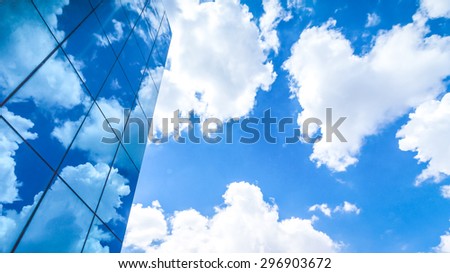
[384,65]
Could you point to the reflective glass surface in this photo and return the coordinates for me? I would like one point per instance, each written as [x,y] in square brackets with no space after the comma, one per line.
[116,201]
[60,224]
[78,82]
[101,239]
[23,178]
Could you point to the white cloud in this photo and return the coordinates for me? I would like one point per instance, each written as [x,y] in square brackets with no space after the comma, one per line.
[444,245]
[372,20]
[347,208]
[426,133]
[404,68]
[217,61]
[323,208]
[273,14]
[9,144]
[436,8]
[445,191]
[145,225]
[246,223]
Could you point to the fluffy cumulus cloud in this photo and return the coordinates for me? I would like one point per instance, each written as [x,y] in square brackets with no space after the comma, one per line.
[404,68]
[426,134]
[436,8]
[26,42]
[346,208]
[246,223]
[217,61]
[146,226]
[444,245]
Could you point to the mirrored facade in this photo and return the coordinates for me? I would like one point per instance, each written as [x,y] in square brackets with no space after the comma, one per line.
[78,86]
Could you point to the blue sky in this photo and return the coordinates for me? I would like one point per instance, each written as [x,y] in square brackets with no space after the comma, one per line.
[379,65]
[383,65]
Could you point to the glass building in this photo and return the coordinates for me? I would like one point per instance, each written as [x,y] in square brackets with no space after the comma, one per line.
[78,84]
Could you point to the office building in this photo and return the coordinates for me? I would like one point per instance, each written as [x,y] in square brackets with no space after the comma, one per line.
[78,81]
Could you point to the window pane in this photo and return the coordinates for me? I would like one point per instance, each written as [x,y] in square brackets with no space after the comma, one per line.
[23,177]
[25,43]
[88,162]
[133,63]
[60,224]
[92,55]
[145,35]
[62,17]
[135,136]
[132,10]
[114,21]
[101,240]
[163,40]
[50,99]
[116,202]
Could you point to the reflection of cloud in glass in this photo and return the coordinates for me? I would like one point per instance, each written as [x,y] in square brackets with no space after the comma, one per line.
[26,42]
[9,143]
[112,37]
[44,91]
[90,136]
[62,214]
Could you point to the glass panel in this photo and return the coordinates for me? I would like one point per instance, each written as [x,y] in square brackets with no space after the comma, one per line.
[94,57]
[133,9]
[51,97]
[88,162]
[25,43]
[62,17]
[60,224]
[148,94]
[155,12]
[133,63]
[23,177]
[116,201]
[117,91]
[101,240]
[114,21]
[152,19]
[135,135]
[145,35]
[163,40]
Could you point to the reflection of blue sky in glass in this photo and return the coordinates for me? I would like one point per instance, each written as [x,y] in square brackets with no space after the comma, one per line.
[66,67]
